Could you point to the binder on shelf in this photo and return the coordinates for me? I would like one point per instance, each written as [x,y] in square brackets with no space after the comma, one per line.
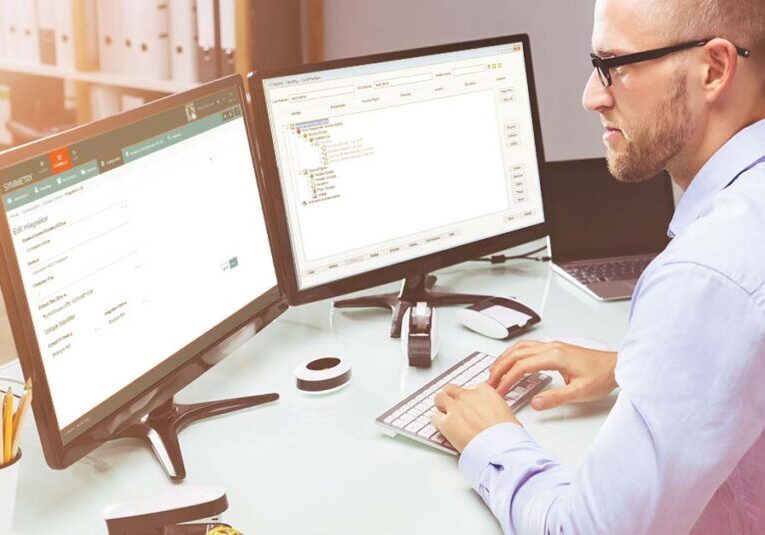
[151,30]
[11,39]
[64,23]
[46,22]
[110,41]
[207,40]
[227,29]
[130,19]
[183,41]
[84,27]
[28,39]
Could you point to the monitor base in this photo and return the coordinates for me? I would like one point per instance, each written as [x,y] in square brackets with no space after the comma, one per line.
[162,425]
[413,290]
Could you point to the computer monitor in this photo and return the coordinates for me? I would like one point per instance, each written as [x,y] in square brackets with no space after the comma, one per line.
[134,257]
[390,166]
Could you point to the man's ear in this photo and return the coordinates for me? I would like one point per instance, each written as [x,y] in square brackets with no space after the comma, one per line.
[720,61]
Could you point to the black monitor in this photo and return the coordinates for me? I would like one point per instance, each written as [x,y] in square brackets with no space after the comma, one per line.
[134,257]
[592,215]
[390,166]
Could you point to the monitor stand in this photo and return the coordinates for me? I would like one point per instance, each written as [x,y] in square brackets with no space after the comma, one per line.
[162,425]
[413,290]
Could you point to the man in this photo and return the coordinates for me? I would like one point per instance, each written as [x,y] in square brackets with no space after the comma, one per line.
[683,448]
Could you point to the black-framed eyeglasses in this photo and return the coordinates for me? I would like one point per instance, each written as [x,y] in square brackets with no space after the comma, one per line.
[604,65]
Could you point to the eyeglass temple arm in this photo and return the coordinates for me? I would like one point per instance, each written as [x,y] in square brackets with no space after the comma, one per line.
[627,59]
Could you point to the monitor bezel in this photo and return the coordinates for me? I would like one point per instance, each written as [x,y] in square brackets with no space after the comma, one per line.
[265,154]
[201,354]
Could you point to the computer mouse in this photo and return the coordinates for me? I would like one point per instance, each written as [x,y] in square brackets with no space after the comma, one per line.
[498,317]
[419,335]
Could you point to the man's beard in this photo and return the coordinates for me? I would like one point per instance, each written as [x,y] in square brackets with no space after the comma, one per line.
[660,136]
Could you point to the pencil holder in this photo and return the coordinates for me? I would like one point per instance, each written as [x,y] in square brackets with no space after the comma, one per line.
[9,477]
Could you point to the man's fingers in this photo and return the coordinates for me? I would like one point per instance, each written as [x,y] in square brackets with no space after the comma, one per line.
[545,361]
[446,397]
[438,418]
[452,390]
[521,344]
[555,397]
[440,402]
[505,363]
[518,346]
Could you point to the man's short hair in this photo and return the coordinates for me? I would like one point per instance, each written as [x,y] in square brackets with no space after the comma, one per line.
[742,22]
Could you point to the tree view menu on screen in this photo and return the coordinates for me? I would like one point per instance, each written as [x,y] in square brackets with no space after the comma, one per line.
[390,161]
[134,243]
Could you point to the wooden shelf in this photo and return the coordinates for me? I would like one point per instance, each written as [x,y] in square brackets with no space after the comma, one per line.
[97,77]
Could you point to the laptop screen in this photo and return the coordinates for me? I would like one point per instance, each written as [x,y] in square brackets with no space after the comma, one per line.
[593,215]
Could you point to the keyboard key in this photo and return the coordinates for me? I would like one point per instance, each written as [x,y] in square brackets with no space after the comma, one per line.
[408,417]
[423,419]
[427,431]
[439,438]
[414,427]
[399,423]
[422,407]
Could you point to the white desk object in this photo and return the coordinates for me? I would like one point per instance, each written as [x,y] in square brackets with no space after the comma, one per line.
[318,465]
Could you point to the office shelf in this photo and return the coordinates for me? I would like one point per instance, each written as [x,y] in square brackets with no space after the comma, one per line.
[97,77]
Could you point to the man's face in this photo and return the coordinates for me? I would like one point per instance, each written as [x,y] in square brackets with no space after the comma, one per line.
[646,112]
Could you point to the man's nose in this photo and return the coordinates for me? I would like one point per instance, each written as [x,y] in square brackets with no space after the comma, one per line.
[596,97]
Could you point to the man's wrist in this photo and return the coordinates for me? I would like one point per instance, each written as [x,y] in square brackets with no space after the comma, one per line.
[488,445]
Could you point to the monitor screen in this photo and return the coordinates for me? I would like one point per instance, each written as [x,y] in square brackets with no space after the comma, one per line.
[383,162]
[134,247]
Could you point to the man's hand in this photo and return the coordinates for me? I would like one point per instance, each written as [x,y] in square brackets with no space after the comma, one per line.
[462,414]
[588,373]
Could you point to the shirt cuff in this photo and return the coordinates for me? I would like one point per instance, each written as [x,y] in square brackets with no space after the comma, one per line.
[487,445]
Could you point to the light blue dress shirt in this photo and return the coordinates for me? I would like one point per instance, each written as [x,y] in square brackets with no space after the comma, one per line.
[683,449]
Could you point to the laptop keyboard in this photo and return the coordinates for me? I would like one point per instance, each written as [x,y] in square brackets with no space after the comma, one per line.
[611,270]
[411,416]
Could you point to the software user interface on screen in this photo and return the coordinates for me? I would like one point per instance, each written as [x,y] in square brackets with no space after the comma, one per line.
[390,161]
[133,244]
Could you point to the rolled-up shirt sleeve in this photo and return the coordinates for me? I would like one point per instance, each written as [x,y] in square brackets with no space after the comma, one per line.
[691,405]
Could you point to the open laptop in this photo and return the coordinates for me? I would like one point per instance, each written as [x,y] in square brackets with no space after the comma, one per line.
[603,233]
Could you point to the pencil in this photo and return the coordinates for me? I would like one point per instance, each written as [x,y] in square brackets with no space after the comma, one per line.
[7,425]
[18,419]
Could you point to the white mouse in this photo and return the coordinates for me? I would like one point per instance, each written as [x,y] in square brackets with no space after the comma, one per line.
[498,317]
[419,335]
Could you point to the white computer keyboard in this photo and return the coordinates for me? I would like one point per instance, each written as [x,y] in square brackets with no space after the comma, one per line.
[411,416]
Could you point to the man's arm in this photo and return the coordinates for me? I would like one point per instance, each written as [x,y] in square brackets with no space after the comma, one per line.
[691,405]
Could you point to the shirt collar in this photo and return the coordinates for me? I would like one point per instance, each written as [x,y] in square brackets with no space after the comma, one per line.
[737,155]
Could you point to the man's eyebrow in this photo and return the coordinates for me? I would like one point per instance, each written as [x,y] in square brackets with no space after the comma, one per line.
[603,52]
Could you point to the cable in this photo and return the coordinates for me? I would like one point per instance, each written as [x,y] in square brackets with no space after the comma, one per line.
[501,259]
